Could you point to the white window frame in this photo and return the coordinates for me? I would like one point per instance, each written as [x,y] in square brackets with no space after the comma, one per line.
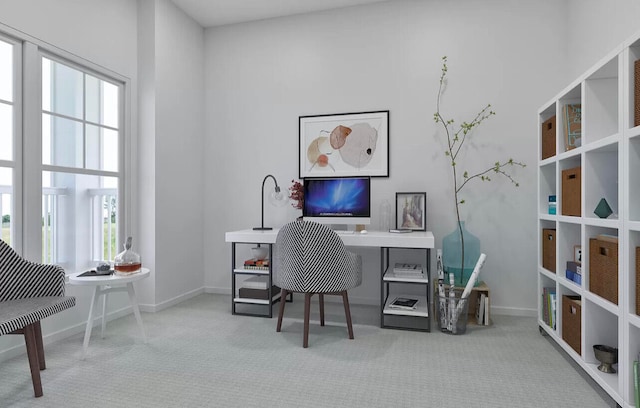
[28,168]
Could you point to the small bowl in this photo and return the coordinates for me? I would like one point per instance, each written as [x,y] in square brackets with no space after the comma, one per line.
[606,355]
[259,253]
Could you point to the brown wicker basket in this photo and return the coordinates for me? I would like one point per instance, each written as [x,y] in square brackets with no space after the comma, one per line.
[571,326]
[603,269]
[638,281]
[571,191]
[549,249]
[549,137]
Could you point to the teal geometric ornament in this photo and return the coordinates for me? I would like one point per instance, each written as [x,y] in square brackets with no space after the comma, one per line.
[602,209]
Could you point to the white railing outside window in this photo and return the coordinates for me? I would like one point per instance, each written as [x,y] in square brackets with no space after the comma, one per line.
[50,224]
[104,221]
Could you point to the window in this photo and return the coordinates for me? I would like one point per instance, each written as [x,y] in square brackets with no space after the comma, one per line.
[80,162]
[61,196]
[8,112]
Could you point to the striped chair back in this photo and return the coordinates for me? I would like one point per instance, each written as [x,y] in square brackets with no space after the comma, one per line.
[310,257]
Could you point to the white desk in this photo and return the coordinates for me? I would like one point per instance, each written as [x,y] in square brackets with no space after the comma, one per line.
[103,286]
[384,240]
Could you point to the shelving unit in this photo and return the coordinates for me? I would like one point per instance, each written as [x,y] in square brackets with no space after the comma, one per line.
[609,160]
[393,286]
[251,304]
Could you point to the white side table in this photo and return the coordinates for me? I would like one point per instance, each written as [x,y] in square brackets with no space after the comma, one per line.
[103,286]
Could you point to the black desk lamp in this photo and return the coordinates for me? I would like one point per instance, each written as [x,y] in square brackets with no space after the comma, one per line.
[276,198]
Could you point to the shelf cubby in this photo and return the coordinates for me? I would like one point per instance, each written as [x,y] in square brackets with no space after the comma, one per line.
[634,179]
[600,110]
[601,171]
[548,186]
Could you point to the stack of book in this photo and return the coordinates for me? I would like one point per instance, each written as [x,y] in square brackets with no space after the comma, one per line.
[482,309]
[256,288]
[261,264]
[408,270]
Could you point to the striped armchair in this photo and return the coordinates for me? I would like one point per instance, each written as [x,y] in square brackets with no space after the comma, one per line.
[29,292]
[311,259]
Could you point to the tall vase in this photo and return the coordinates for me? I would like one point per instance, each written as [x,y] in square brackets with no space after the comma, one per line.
[452,254]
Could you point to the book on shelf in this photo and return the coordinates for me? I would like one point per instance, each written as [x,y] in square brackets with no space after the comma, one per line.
[572,117]
[404,303]
[548,306]
[480,309]
[486,310]
[256,282]
[260,264]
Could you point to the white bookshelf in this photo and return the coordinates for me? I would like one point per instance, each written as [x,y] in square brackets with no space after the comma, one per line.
[609,157]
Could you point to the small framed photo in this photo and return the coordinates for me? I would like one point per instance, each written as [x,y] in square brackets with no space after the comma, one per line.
[577,254]
[411,211]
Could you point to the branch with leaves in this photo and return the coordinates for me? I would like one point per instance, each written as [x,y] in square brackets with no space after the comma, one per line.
[455,140]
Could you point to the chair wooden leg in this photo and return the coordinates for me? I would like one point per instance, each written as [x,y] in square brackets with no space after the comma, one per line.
[321,300]
[307,307]
[347,312]
[32,354]
[38,333]
[283,295]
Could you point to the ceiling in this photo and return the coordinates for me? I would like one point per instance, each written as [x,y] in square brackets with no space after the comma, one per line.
[211,13]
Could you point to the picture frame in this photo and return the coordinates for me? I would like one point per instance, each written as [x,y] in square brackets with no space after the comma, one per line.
[577,254]
[411,211]
[344,145]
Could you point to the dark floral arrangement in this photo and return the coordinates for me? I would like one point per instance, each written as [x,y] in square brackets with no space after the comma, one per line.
[296,194]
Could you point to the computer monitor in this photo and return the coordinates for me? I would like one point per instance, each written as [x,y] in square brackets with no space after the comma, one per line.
[344,200]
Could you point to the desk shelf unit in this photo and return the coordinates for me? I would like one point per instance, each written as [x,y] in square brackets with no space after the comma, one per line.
[239,271]
[608,166]
[411,319]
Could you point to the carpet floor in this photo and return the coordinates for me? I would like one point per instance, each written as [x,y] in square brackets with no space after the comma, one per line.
[199,355]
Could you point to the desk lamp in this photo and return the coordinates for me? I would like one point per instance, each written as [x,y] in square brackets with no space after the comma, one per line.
[276,198]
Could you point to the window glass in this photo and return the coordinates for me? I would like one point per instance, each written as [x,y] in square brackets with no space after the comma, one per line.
[62,89]
[62,141]
[102,102]
[6,132]
[79,218]
[6,201]
[6,71]
[102,148]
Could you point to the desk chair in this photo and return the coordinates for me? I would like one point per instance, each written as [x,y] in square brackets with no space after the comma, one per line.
[29,292]
[311,259]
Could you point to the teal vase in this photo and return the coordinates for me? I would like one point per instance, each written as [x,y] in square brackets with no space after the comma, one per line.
[452,255]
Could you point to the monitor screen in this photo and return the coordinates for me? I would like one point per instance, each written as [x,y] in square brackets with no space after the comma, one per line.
[337,200]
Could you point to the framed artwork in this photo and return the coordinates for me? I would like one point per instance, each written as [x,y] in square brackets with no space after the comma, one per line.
[411,211]
[577,254]
[344,145]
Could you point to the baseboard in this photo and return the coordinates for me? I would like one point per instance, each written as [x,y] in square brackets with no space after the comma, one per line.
[172,302]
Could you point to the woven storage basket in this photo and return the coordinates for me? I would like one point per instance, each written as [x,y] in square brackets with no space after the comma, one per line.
[638,281]
[549,137]
[603,269]
[571,326]
[549,249]
[571,191]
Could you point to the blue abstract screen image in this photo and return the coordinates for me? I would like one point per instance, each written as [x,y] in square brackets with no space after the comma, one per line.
[337,197]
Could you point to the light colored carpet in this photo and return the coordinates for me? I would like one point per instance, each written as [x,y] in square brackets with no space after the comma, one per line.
[199,355]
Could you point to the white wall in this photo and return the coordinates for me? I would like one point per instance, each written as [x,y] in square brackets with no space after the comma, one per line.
[179,172]
[596,28]
[261,76]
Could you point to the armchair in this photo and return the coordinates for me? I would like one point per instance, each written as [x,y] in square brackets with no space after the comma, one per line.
[29,292]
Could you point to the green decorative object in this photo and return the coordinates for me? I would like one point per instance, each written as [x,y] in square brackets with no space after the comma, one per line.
[452,258]
[602,209]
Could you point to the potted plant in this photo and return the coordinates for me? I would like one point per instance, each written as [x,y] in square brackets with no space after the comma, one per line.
[454,245]
[296,195]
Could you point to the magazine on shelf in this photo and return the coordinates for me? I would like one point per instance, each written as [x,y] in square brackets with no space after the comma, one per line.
[407,267]
[404,303]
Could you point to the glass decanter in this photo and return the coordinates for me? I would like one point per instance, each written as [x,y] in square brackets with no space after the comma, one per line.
[127,261]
